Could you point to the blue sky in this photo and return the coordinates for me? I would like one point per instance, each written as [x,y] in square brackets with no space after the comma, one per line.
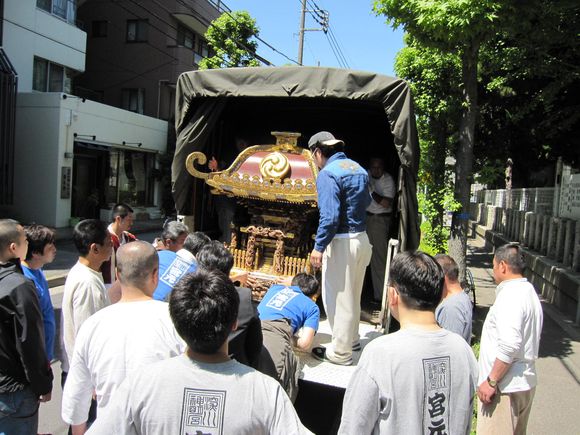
[366,41]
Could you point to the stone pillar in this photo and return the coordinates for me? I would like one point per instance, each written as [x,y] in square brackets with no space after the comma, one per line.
[576,249]
[522,226]
[569,242]
[538,232]
[529,229]
[560,240]
[552,232]
[545,234]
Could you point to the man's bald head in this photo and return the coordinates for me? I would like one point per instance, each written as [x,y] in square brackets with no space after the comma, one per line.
[136,261]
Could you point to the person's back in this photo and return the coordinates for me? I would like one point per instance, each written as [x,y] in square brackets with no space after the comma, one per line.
[172,267]
[455,314]
[119,339]
[182,395]
[420,379]
[245,342]
[114,342]
[202,391]
[289,302]
[284,311]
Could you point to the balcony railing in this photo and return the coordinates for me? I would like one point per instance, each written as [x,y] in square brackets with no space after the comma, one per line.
[221,7]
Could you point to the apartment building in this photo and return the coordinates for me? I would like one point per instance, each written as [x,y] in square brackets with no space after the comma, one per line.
[136,49]
[94,87]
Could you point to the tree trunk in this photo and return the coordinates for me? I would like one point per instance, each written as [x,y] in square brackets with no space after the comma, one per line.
[464,156]
[440,152]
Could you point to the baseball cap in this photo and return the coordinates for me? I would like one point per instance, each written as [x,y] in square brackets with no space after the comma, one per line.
[323,138]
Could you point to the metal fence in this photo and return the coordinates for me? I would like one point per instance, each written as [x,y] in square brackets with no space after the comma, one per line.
[538,200]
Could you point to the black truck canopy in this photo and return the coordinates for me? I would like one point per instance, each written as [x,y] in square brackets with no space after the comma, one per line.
[372,113]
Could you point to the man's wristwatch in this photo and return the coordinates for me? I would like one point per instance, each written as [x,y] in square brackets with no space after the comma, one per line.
[491,382]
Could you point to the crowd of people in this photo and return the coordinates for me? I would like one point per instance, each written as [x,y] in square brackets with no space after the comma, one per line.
[161,338]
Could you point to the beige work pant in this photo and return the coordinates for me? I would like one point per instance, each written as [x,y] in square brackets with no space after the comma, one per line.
[343,270]
[507,414]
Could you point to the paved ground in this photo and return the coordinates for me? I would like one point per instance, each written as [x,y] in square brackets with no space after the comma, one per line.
[558,393]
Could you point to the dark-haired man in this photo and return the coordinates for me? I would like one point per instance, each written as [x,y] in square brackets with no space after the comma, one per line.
[510,342]
[41,251]
[285,311]
[341,246]
[245,341]
[203,390]
[121,223]
[25,374]
[120,338]
[455,312]
[420,379]
[84,290]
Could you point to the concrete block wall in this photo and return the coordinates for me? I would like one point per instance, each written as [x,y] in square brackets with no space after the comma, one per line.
[551,249]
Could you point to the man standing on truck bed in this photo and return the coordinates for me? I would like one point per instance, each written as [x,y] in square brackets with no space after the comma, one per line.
[341,246]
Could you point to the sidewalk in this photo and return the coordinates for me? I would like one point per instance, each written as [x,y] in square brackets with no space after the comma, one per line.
[555,404]
[67,255]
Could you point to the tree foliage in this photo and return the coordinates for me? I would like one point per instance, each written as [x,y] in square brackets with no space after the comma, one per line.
[530,79]
[433,76]
[229,37]
[459,27]
[518,82]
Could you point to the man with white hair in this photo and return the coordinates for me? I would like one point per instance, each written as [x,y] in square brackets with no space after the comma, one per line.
[120,338]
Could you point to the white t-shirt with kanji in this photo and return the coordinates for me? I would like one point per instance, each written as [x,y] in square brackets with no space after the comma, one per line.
[412,382]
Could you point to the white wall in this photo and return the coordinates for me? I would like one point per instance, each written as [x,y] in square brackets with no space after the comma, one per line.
[30,32]
[45,127]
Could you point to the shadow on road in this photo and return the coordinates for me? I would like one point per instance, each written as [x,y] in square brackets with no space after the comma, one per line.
[554,342]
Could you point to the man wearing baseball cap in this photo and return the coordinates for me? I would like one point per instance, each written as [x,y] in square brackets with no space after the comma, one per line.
[341,247]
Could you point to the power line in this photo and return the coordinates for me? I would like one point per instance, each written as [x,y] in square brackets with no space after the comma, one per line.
[334,51]
[338,48]
[267,44]
[317,10]
[142,74]
[237,42]
[114,85]
[44,36]
[174,38]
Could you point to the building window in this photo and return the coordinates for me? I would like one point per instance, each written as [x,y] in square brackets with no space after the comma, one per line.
[50,77]
[201,51]
[137,30]
[99,29]
[133,99]
[65,9]
[129,178]
[185,37]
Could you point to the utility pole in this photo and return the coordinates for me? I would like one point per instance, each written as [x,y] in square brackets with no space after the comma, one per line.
[301,33]
[321,17]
